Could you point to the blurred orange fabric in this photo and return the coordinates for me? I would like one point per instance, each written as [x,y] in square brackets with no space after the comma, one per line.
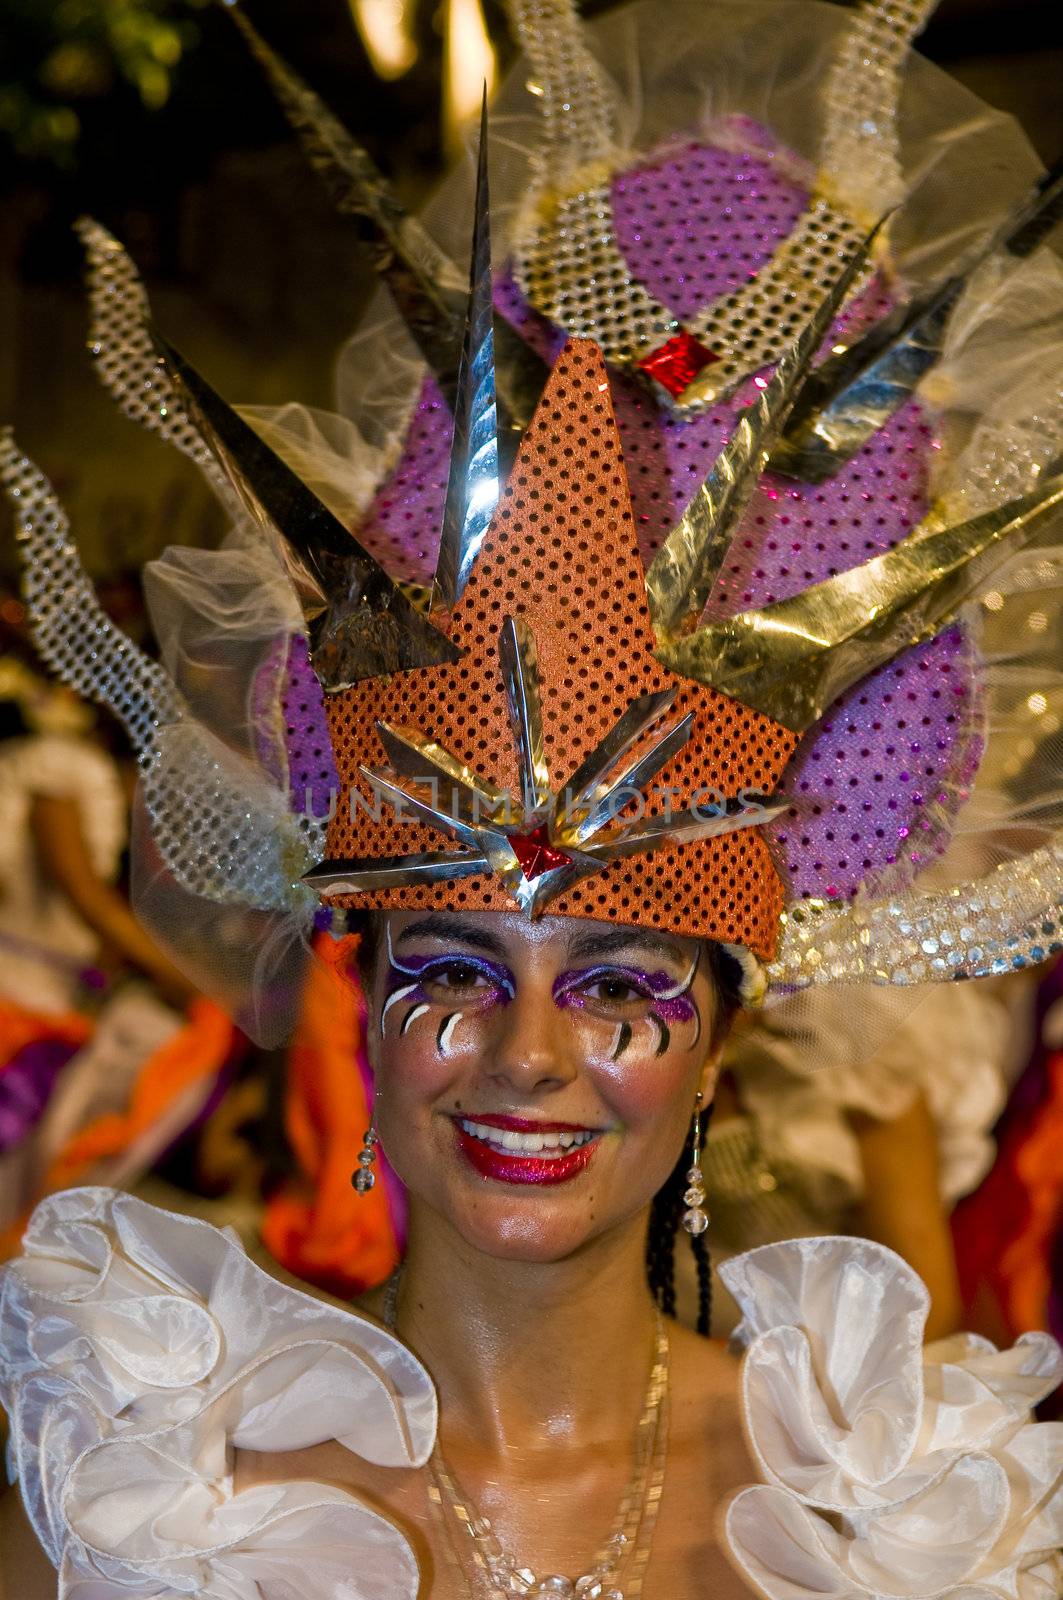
[198,1050]
[317,1226]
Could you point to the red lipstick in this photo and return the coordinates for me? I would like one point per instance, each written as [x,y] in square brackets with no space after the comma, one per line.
[510,1166]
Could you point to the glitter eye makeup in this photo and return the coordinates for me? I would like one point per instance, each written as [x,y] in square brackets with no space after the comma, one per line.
[441,979]
[662,1001]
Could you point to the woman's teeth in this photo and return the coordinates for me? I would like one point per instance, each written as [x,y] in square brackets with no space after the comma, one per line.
[527,1144]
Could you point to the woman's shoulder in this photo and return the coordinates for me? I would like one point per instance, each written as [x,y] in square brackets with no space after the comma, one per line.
[887,1466]
[138,1350]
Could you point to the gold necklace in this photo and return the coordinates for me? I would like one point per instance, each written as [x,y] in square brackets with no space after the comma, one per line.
[495,1575]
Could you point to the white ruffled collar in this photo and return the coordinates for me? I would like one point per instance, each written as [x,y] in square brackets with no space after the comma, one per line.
[138,1348]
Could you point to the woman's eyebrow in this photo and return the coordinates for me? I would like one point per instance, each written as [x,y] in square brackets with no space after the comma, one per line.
[452,930]
[585,945]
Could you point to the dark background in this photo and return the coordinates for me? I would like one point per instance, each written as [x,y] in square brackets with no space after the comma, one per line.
[247,266]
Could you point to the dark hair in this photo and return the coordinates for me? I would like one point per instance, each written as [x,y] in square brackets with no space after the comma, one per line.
[13,724]
[668,1205]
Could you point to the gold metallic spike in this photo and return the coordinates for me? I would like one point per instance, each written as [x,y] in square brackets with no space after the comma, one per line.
[391,872]
[520,673]
[414,756]
[426,285]
[792,659]
[360,623]
[472,489]
[682,574]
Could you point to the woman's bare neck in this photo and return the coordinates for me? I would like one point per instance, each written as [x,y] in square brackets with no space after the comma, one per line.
[523,1350]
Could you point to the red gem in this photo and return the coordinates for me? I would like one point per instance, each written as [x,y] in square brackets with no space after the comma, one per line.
[535,852]
[678,362]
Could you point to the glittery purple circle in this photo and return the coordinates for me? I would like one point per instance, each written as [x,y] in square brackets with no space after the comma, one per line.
[698,222]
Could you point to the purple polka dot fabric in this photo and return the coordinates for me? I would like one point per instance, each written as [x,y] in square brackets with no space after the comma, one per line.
[876,784]
[312,776]
[699,221]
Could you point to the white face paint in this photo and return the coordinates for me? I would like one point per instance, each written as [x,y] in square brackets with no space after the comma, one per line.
[446,1032]
[411,1017]
[393,999]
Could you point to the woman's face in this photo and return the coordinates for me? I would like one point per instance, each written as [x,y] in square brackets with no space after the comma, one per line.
[535,1081]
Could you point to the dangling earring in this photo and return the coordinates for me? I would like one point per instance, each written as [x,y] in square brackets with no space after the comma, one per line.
[363,1177]
[695,1219]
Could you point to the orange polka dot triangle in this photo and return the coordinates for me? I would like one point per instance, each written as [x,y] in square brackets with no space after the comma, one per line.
[559,574]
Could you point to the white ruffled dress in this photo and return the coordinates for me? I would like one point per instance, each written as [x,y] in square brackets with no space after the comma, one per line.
[139,1349]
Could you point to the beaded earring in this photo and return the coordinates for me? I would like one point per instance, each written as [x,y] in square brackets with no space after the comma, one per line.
[695,1219]
[363,1177]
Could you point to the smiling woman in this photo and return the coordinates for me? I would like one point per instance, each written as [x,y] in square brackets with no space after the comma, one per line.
[535,1087]
[582,811]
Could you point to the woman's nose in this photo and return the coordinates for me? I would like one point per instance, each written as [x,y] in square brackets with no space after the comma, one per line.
[532,1048]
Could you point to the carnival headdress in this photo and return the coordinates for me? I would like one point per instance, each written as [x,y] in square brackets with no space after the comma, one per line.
[566,729]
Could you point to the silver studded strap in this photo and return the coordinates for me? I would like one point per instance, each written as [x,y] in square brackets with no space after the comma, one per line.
[574,96]
[861,97]
[221,827]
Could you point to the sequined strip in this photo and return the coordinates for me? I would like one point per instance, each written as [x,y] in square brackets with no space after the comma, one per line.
[1011,918]
[750,328]
[126,360]
[211,821]
[574,273]
[860,129]
[575,100]
[73,633]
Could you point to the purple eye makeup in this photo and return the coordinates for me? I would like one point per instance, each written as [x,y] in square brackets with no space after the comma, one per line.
[440,979]
[664,1001]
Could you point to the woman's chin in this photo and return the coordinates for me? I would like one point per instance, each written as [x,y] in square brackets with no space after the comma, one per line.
[538,1234]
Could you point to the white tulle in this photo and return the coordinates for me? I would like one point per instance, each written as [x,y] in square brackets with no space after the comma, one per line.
[890,1469]
[139,1350]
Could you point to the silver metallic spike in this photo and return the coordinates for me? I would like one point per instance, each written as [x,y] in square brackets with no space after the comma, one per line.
[392,872]
[682,574]
[428,288]
[792,659]
[405,796]
[424,282]
[520,674]
[472,490]
[608,801]
[685,827]
[360,623]
[594,770]
[854,392]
